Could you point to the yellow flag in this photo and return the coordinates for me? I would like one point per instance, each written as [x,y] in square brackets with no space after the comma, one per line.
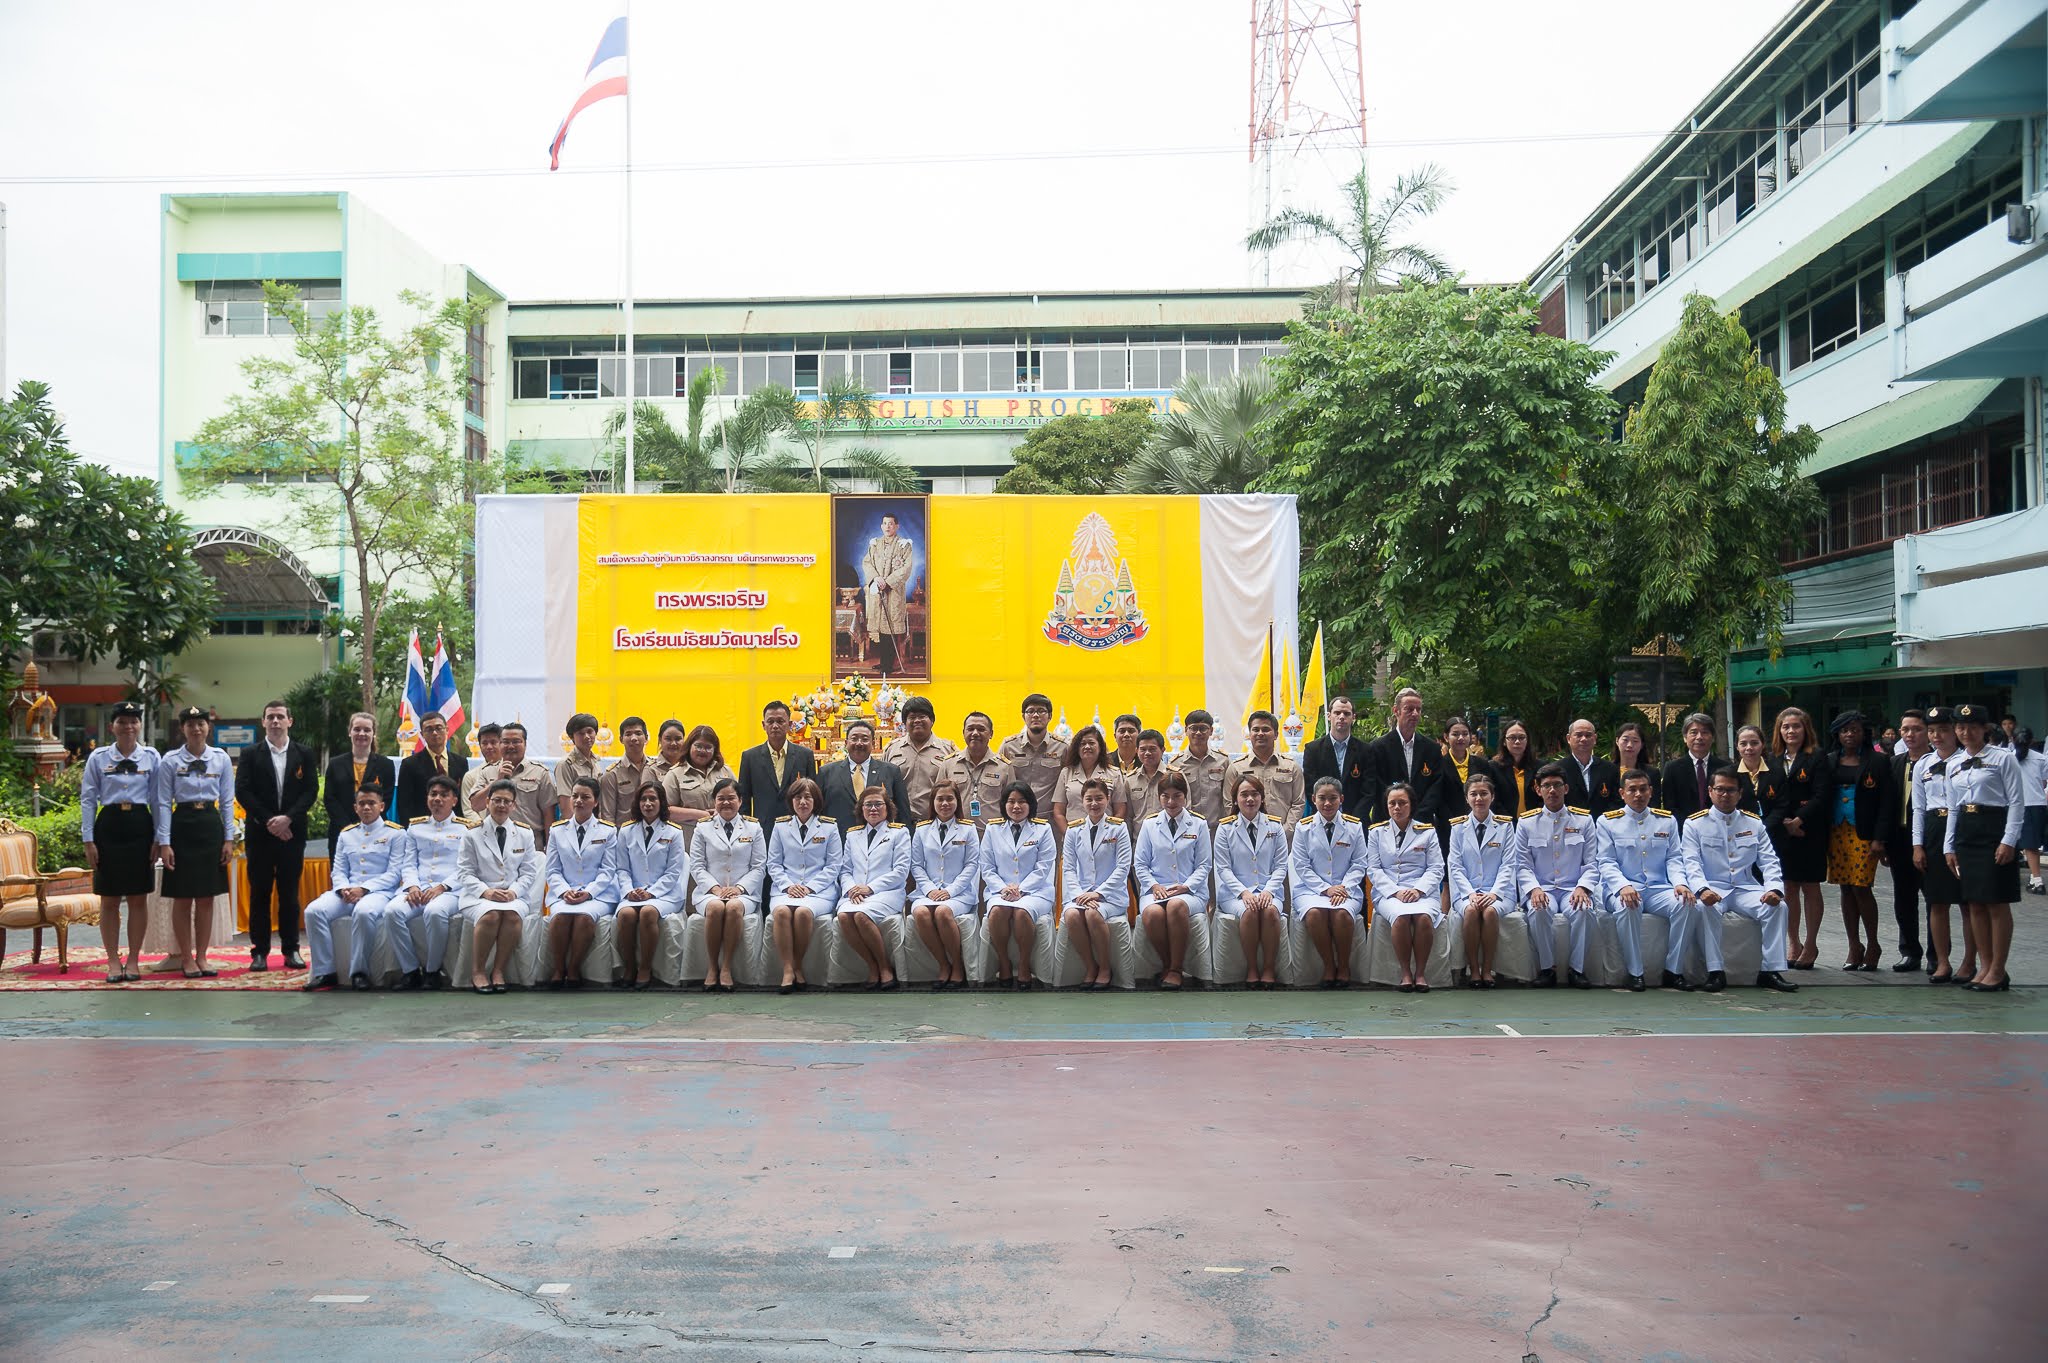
[1313,696]
[1261,697]
[1290,685]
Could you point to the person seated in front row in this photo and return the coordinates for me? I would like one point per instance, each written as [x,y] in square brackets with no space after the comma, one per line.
[1095,880]
[804,853]
[651,862]
[495,875]
[1482,875]
[1328,870]
[1174,856]
[1640,863]
[366,868]
[1556,872]
[946,857]
[1731,865]
[430,856]
[582,881]
[1251,881]
[728,864]
[1404,863]
[1018,857]
[874,871]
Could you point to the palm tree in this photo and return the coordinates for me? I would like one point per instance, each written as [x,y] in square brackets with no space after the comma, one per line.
[1214,441]
[665,459]
[842,407]
[749,442]
[1369,234]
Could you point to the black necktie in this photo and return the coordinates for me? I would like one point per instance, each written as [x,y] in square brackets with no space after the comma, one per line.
[579,833]
[803,832]
[1093,829]
[501,838]
[1400,838]
[728,828]
[1700,765]
[871,835]
[1329,832]
[1016,834]
[1972,764]
[647,835]
[1173,828]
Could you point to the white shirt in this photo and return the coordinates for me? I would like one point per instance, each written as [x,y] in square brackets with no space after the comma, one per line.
[277,756]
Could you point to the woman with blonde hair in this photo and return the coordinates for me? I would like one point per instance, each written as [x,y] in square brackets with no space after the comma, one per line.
[1800,822]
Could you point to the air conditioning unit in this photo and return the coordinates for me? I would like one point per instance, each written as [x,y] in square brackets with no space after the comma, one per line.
[2019,224]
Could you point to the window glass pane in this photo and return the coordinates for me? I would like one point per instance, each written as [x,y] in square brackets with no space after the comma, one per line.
[949,371]
[833,367]
[1053,368]
[532,378]
[874,370]
[1169,368]
[1087,370]
[924,371]
[1196,363]
[782,370]
[611,378]
[753,373]
[974,372]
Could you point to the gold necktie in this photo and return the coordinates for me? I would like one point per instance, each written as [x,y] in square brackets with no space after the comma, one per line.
[860,782]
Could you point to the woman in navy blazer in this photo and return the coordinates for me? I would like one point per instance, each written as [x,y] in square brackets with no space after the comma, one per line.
[1799,821]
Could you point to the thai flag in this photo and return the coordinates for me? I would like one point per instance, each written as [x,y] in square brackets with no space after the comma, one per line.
[605,78]
[415,703]
[442,697]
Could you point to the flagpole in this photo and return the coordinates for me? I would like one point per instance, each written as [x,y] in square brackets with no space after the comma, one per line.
[631,366]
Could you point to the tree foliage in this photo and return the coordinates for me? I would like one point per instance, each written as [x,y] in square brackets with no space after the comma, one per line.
[1711,494]
[1446,460]
[360,429]
[1215,441]
[665,459]
[1079,455]
[92,555]
[1372,234]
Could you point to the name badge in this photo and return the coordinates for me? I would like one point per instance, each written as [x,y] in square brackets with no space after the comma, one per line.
[1745,833]
[1661,833]
[817,842]
[1342,842]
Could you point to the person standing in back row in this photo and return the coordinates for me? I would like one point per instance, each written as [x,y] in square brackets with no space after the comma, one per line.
[275,785]
[1907,900]
[1405,754]
[1685,777]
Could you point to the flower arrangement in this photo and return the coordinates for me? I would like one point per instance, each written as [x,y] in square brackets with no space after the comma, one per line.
[855,691]
[889,701]
[817,708]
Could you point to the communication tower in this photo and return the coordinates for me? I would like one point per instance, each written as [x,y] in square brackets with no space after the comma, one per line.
[1307,127]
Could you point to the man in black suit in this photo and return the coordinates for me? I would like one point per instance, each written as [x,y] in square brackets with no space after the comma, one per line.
[1340,754]
[361,765]
[767,770]
[1591,783]
[845,781]
[1685,778]
[431,761]
[275,784]
[1404,754]
[1907,903]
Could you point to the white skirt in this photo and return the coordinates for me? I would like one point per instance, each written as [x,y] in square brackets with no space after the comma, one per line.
[880,906]
[1038,906]
[664,907]
[962,908]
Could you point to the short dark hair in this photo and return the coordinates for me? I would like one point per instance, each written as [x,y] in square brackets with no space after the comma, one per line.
[690,742]
[1550,769]
[722,784]
[888,800]
[1131,720]
[1154,735]
[668,724]
[774,705]
[918,705]
[441,780]
[859,722]
[505,786]
[270,705]
[1256,715]
[1095,783]
[508,728]
[578,722]
[1037,698]
[590,784]
[489,731]
[1635,774]
[370,788]
[1201,717]
[1480,778]
[1020,788]
[632,722]
[1724,773]
[804,785]
[1170,779]
[976,714]
[433,717]
[1918,714]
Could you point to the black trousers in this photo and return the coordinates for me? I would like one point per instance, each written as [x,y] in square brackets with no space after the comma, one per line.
[274,863]
[1908,906]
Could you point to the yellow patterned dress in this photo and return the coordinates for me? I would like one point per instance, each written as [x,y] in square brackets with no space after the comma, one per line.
[1851,860]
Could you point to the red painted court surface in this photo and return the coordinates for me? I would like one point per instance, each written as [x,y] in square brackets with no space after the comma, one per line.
[1597,1198]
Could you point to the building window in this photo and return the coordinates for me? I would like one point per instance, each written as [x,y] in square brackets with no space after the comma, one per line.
[476,448]
[237,307]
[237,627]
[1609,293]
[479,366]
[806,376]
[1741,177]
[1972,209]
[1836,309]
[295,627]
[1029,369]
[1838,96]
[1963,477]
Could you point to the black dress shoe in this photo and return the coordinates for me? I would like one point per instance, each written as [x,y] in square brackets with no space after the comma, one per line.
[258,964]
[320,983]
[1907,966]
[1635,984]
[294,961]
[1717,980]
[1673,980]
[1545,979]
[413,980]
[438,980]
[1771,979]
[1579,980]
[359,983]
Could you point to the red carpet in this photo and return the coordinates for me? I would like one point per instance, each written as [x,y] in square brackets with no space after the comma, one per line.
[89,971]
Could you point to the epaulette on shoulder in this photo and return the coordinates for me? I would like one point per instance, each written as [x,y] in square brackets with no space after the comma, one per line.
[1305,822]
[1352,818]
[1576,810]
[1462,818]
[673,824]
[895,825]
[520,823]
[1530,813]
[1664,812]
[607,823]
[417,818]
[1381,824]
[559,823]
[1111,818]
[469,821]
[784,818]
[1696,814]
[1614,813]
[390,824]
[1227,818]
[1038,821]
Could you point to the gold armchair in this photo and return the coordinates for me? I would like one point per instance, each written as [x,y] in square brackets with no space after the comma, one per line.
[26,901]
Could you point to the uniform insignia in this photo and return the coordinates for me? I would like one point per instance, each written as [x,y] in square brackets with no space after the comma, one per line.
[1614,813]
[1531,813]
[784,818]
[389,824]
[673,824]
[1351,818]
[1303,824]
[418,818]
[1040,821]
[1661,813]
[1581,812]
[895,825]
[1697,814]
[607,823]
[470,822]
[1462,818]
[1381,824]
[561,823]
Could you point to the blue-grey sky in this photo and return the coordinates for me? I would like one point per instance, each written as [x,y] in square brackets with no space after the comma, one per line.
[800,147]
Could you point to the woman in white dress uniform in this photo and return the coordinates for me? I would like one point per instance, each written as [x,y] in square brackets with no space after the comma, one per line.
[945,854]
[728,862]
[651,864]
[1017,860]
[1095,878]
[1482,874]
[581,882]
[1405,864]
[874,871]
[1173,876]
[1251,880]
[803,876]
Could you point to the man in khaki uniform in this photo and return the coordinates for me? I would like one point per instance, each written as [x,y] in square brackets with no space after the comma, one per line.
[1126,730]
[1280,773]
[885,571]
[581,761]
[925,761]
[489,742]
[1035,757]
[535,805]
[619,782]
[982,772]
[1141,780]
[1206,769]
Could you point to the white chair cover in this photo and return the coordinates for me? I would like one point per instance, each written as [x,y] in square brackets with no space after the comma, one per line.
[1515,959]
[525,966]
[1436,971]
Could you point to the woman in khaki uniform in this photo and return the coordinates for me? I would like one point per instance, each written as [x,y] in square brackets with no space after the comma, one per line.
[689,784]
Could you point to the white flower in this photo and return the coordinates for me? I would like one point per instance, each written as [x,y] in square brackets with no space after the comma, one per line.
[25,522]
[134,534]
[35,476]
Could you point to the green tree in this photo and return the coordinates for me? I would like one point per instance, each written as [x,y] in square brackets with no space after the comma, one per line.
[359,428]
[94,556]
[820,426]
[1711,494]
[1372,234]
[1216,441]
[665,459]
[1442,452]
[1079,455]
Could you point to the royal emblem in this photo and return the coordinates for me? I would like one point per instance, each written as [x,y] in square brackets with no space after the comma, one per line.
[1095,605]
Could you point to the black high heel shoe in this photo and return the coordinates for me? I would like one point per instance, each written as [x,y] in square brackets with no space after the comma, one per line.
[2001,987]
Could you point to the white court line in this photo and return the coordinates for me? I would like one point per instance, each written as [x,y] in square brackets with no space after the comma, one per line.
[552,1289]
[1505,1028]
[161,1285]
[337,1300]
[1063,1042]
[841,1251]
